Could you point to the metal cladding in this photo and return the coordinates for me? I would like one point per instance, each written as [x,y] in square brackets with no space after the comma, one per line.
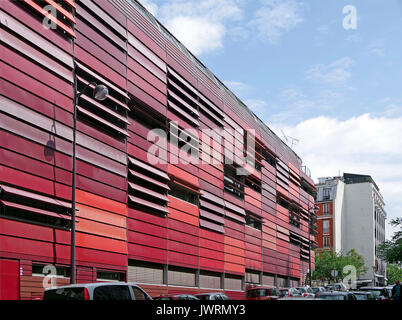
[170,223]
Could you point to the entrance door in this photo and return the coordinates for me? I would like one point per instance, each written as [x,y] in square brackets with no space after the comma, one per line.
[9,279]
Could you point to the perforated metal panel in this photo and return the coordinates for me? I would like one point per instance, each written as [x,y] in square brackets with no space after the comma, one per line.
[181,277]
[210,280]
[141,272]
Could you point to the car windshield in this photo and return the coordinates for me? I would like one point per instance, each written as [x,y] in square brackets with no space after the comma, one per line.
[361,296]
[375,292]
[331,297]
[315,290]
[302,290]
[203,297]
[257,293]
[283,292]
[64,294]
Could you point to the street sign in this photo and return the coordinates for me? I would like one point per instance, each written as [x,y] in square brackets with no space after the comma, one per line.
[334,273]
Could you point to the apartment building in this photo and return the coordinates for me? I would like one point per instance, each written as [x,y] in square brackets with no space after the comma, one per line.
[171,225]
[351,216]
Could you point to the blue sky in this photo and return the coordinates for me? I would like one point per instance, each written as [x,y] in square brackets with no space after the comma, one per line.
[337,91]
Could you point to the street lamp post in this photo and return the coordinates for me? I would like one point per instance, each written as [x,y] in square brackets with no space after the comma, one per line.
[100,93]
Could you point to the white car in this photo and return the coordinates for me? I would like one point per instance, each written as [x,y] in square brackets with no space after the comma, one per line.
[97,291]
[306,292]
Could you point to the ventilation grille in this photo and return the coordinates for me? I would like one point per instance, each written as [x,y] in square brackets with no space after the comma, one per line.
[147,187]
[109,115]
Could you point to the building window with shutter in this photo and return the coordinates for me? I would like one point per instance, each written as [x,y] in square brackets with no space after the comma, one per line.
[325,226]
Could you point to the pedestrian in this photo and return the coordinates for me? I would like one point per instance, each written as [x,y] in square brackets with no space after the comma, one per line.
[396,291]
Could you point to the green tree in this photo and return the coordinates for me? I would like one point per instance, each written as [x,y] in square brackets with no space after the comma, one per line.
[394,272]
[329,260]
[391,250]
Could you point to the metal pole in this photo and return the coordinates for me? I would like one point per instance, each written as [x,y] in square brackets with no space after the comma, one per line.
[73,263]
[309,260]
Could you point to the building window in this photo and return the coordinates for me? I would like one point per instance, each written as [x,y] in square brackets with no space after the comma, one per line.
[325,226]
[183,193]
[110,276]
[253,222]
[325,241]
[325,208]
[326,193]
[39,270]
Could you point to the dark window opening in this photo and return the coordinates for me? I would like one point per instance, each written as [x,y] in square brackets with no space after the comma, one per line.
[61,271]
[110,276]
[183,194]
[233,183]
[253,222]
[253,183]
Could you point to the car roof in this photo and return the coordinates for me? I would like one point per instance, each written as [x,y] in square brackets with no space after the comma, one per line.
[93,285]
[370,288]
[359,292]
[334,293]
[208,293]
[264,287]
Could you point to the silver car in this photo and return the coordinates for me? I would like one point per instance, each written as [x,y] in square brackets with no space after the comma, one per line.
[306,292]
[97,291]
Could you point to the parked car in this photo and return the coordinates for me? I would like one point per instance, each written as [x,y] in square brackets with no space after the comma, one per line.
[336,287]
[176,297]
[263,293]
[306,291]
[389,288]
[97,291]
[336,295]
[318,289]
[289,292]
[212,296]
[299,298]
[380,293]
[362,295]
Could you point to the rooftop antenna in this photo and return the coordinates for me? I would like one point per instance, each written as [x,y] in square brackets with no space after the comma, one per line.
[289,139]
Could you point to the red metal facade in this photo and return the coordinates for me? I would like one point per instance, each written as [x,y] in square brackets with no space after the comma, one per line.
[135,219]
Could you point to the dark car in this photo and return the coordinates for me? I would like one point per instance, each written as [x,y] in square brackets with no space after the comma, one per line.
[336,295]
[362,295]
[212,296]
[176,297]
[263,293]
[380,293]
[97,291]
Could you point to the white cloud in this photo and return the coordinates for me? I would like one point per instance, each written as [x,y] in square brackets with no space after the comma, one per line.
[203,25]
[277,17]
[200,25]
[366,144]
[199,35]
[335,73]
[150,6]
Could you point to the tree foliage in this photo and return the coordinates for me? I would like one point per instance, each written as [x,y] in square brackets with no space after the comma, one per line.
[391,250]
[329,260]
[394,272]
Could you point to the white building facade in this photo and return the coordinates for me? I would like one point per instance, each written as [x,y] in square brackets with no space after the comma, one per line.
[357,220]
